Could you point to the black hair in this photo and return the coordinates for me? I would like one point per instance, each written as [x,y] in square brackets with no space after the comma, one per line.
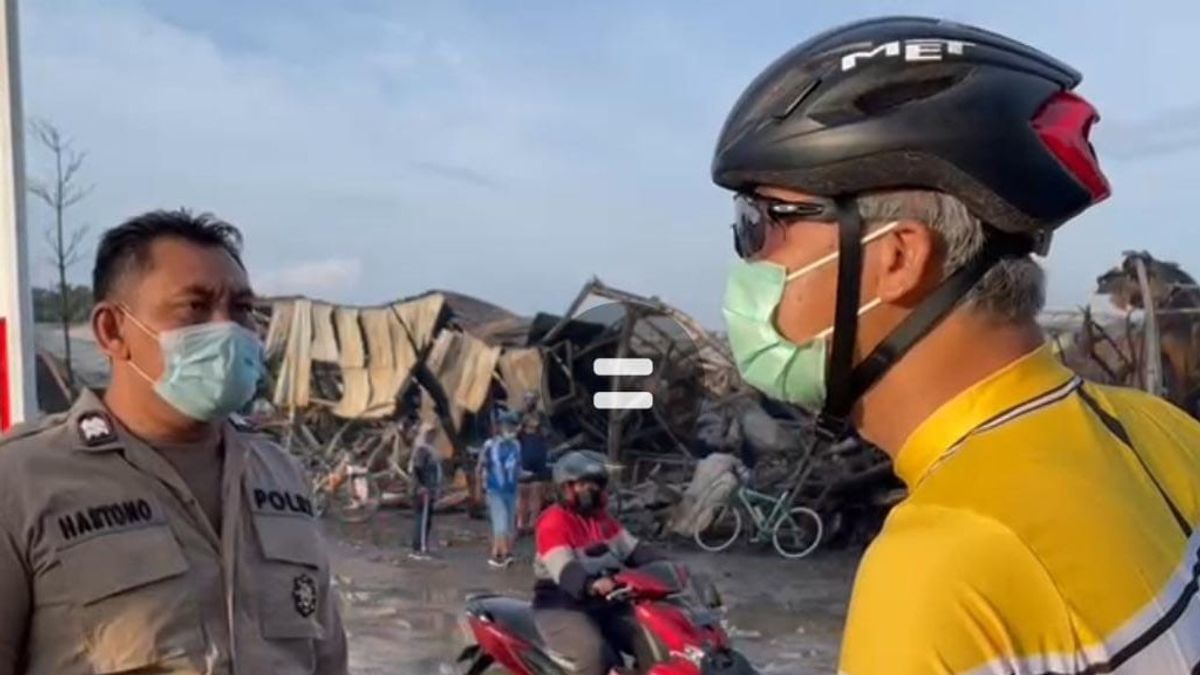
[126,247]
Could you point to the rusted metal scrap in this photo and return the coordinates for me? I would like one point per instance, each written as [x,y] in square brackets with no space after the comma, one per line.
[1154,344]
[690,366]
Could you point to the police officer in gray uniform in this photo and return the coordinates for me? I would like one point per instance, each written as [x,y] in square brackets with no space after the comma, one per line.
[142,531]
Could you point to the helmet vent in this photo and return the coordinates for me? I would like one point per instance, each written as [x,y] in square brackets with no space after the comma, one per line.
[898,93]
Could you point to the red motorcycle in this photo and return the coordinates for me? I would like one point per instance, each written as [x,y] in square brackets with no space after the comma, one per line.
[676,634]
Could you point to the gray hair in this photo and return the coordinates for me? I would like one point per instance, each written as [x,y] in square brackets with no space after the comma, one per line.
[1013,290]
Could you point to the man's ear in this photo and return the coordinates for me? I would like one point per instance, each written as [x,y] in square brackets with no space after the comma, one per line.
[909,262]
[107,320]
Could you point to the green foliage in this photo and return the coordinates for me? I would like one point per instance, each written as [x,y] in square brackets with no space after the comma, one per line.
[47,305]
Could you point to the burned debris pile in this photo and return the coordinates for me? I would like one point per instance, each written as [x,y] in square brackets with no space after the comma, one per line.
[354,381]
[1153,343]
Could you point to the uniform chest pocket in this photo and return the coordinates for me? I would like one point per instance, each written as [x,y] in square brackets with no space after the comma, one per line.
[132,599]
[293,585]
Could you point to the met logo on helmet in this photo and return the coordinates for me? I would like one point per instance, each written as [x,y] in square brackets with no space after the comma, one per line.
[922,49]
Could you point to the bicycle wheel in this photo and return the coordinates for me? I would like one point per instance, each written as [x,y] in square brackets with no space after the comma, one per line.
[722,531]
[798,533]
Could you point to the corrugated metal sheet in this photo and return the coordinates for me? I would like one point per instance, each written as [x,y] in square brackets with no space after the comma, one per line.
[521,372]
[464,365]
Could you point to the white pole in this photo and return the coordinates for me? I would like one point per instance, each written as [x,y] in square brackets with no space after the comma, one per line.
[16,305]
[1152,346]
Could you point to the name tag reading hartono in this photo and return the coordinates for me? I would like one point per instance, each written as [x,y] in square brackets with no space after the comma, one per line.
[106,518]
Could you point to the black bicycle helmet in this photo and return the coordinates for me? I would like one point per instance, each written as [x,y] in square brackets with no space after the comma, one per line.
[924,103]
[580,465]
[910,102]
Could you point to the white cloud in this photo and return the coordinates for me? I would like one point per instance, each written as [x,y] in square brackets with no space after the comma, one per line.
[330,279]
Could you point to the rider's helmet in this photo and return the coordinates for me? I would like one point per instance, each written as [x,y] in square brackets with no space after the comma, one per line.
[577,467]
[907,102]
[581,465]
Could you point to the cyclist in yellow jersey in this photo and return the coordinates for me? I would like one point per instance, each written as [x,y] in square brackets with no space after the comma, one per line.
[893,179]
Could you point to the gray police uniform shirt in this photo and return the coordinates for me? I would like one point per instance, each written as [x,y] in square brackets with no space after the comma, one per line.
[109,565]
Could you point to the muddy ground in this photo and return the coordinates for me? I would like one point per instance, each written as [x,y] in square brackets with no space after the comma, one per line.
[401,615]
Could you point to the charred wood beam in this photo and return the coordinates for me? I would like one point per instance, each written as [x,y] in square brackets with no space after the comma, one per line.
[616,417]
[592,429]
[569,315]
[666,427]
[441,405]
[597,345]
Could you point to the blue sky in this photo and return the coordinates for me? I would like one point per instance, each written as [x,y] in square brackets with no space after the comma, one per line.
[374,149]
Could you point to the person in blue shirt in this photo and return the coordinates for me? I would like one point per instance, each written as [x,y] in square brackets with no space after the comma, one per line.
[499,472]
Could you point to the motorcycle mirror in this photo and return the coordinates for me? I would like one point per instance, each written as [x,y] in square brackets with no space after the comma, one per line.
[713,597]
[707,593]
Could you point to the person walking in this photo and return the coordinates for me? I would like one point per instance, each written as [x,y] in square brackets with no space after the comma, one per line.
[499,471]
[425,472]
[535,473]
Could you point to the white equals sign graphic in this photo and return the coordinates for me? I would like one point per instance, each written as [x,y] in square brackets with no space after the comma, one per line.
[623,400]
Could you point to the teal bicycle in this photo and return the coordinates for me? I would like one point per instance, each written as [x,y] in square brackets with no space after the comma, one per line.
[795,531]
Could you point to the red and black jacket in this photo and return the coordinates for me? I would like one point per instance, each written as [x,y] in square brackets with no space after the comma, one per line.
[573,550]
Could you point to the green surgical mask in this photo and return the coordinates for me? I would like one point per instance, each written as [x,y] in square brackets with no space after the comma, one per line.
[769,362]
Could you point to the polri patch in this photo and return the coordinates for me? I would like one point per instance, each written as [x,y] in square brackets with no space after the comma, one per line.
[281,502]
[304,595]
[95,429]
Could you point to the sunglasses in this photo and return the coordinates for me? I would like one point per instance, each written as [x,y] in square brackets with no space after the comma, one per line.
[753,214]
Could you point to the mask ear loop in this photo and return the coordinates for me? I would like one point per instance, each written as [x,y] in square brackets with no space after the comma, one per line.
[861,310]
[826,259]
[136,321]
[935,307]
[145,329]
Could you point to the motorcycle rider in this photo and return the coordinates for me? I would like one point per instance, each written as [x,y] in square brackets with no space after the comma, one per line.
[579,546]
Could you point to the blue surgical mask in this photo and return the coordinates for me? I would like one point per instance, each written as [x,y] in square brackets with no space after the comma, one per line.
[210,370]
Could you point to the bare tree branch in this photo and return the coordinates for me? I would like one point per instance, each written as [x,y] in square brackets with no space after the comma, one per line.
[74,162]
[60,192]
[42,192]
[76,195]
[71,250]
[47,134]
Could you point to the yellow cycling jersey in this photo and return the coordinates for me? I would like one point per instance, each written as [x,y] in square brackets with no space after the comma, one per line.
[1048,529]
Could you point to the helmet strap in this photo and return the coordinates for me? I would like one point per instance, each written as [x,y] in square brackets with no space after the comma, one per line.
[845,317]
[847,383]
